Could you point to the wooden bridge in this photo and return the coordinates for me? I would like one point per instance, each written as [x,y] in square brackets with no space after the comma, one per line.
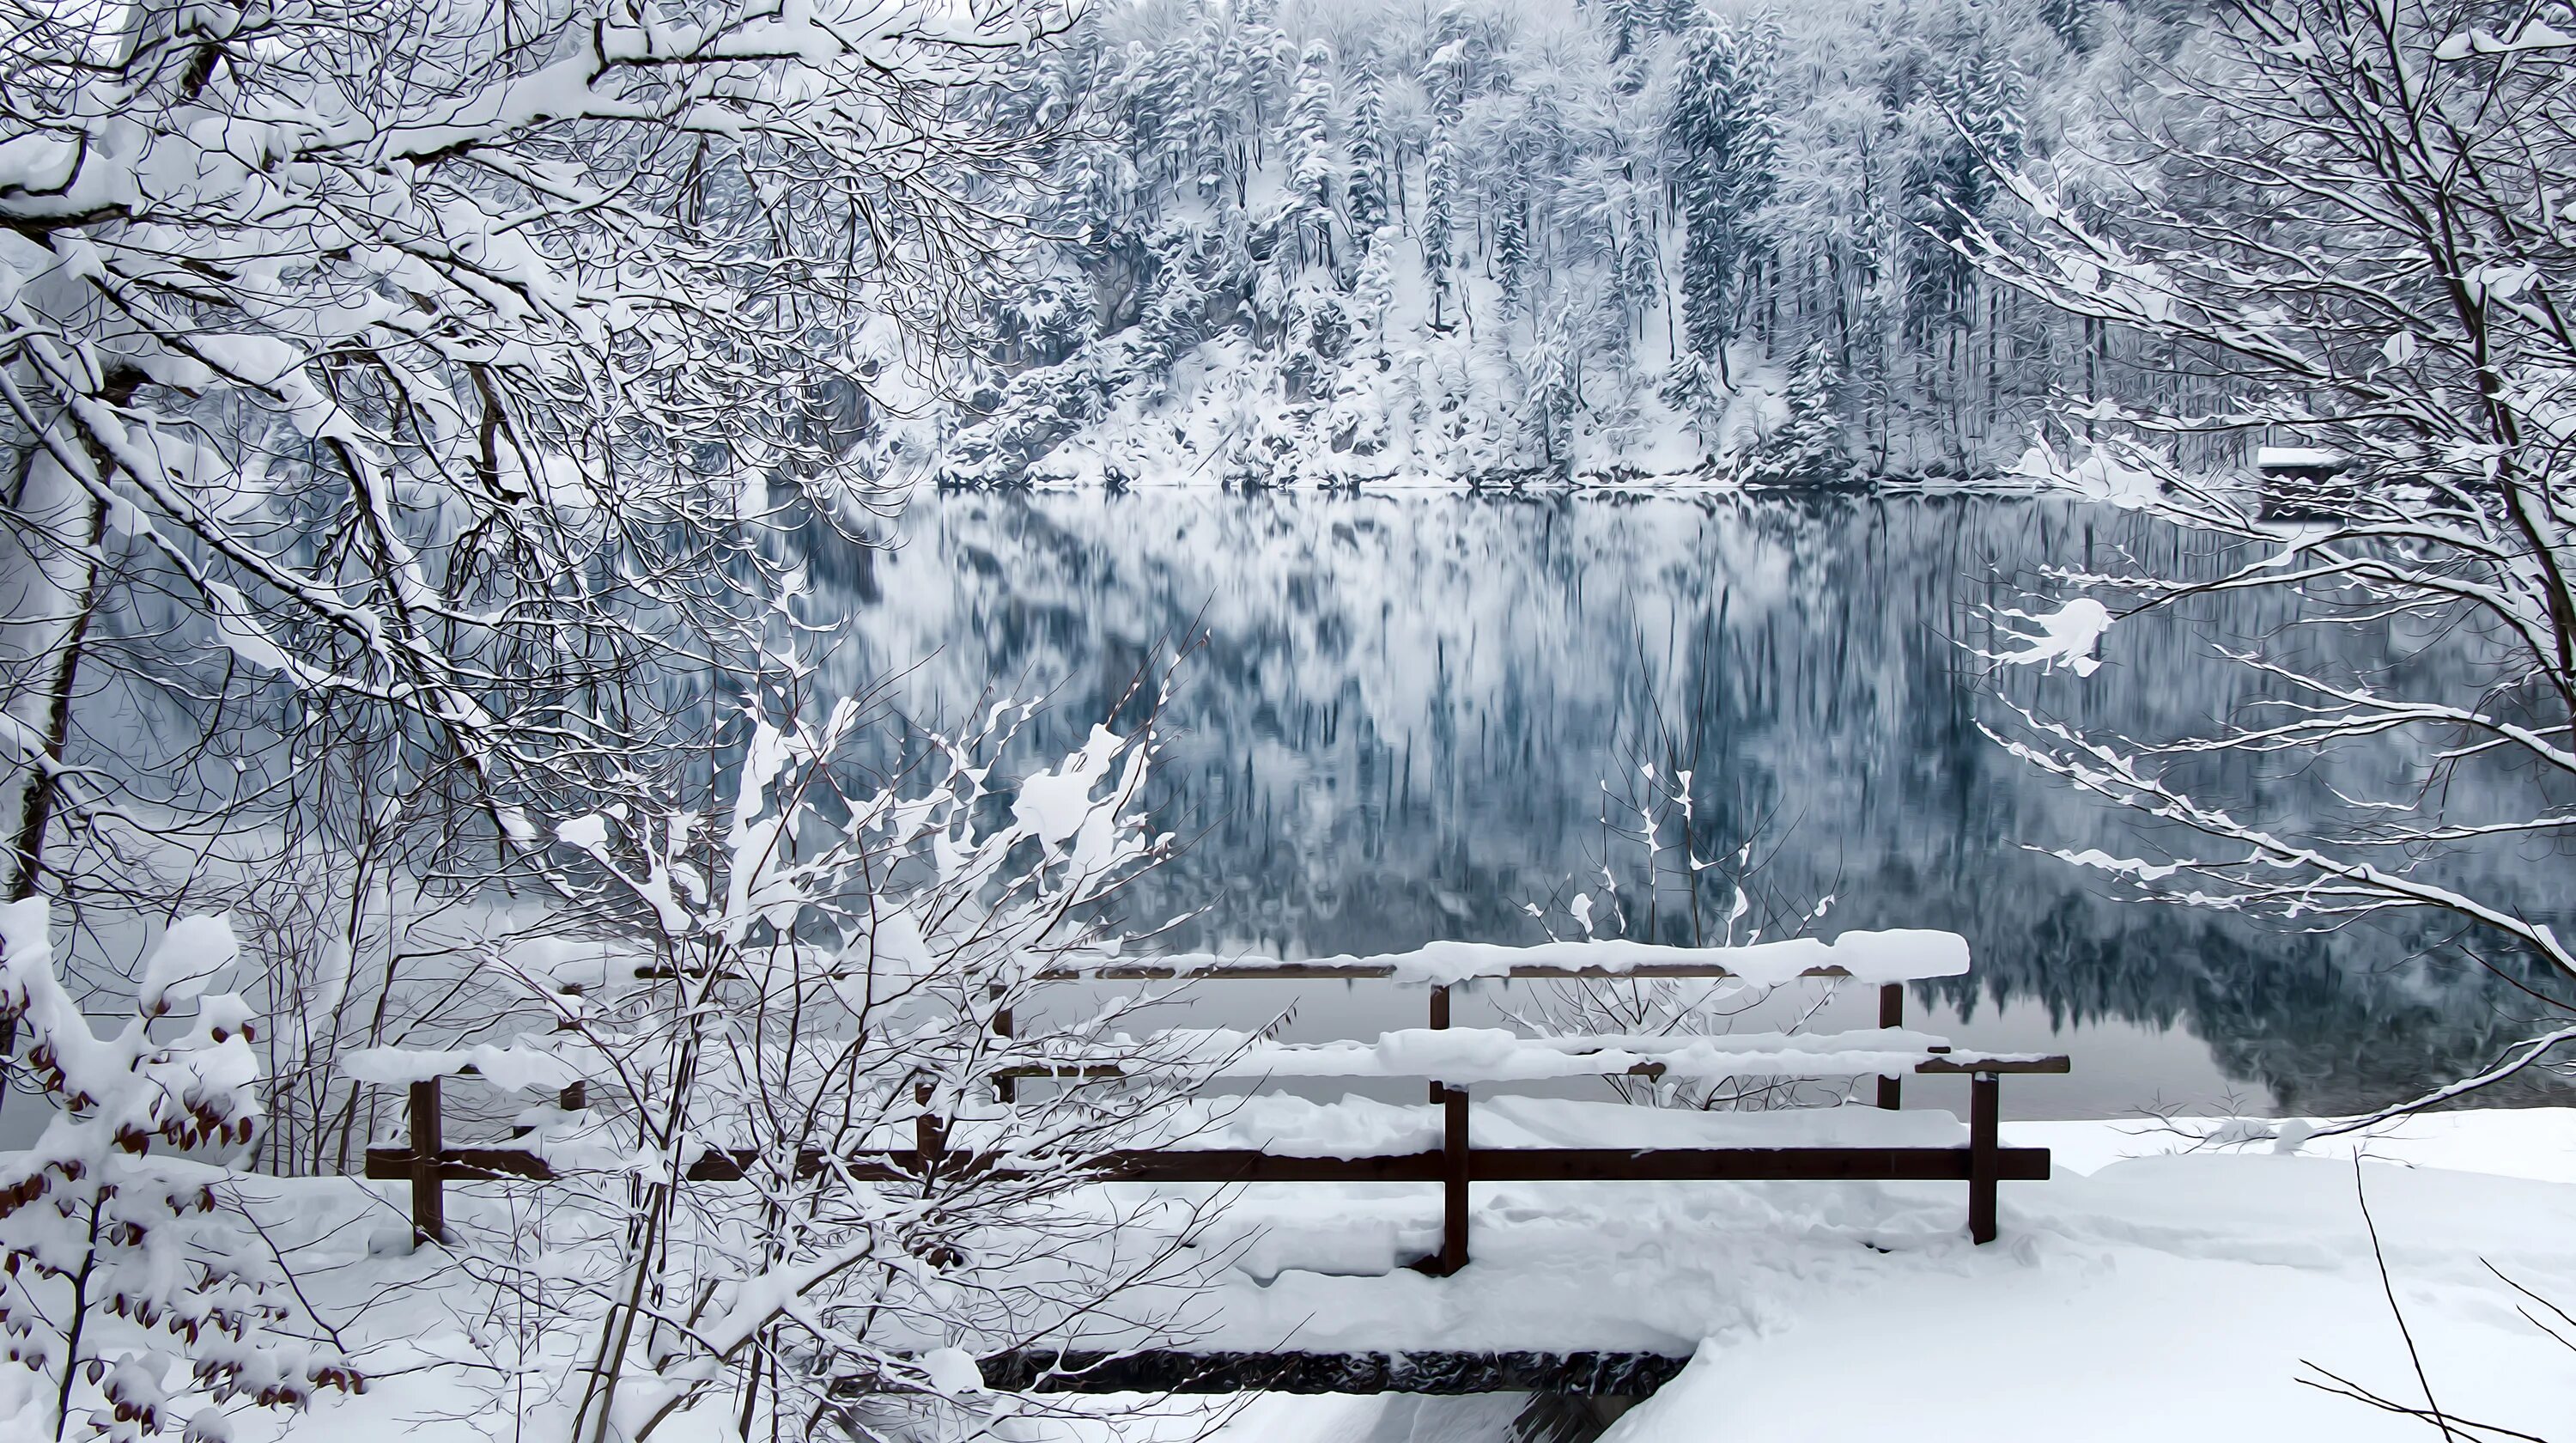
[1454,1063]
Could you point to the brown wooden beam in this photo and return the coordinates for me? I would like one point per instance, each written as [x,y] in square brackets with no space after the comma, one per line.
[1152,971]
[1750,1164]
[1991,1067]
[1046,1370]
[1243,1165]
[1935,1067]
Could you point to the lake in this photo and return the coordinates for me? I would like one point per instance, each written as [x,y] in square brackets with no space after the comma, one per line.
[1407,715]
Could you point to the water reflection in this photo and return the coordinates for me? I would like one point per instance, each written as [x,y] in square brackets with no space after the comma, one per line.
[1405,708]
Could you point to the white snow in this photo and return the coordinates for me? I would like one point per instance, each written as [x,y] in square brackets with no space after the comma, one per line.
[2268,458]
[2148,1292]
[2070,636]
[1461,1055]
[2160,1287]
[1895,955]
[512,1069]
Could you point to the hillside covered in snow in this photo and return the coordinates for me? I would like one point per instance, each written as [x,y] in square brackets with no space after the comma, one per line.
[1489,240]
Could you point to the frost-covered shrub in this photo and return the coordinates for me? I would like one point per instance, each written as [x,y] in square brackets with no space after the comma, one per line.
[817,965]
[123,1271]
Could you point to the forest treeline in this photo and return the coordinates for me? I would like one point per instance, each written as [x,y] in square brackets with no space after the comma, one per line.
[1490,239]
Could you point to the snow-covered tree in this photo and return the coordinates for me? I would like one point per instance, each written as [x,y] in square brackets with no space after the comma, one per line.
[1313,165]
[128,1284]
[395,397]
[1725,124]
[1807,447]
[1371,155]
[805,969]
[2374,260]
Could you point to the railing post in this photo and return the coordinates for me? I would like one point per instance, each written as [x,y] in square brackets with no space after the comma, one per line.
[1453,1157]
[1985,1141]
[1891,1013]
[428,1206]
[575,1095]
[1453,1180]
[929,1130]
[930,1142]
[1439,1023]
[1005,1088]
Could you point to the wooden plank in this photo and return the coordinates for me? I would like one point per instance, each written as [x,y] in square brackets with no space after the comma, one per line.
[1235,1165]
[1750,1164]
[1973,1063]
[1965,1064]
[1439,1023]
[1147,970]
[1602,1374]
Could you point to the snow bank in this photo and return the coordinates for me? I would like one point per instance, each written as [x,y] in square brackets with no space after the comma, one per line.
[2179,1291]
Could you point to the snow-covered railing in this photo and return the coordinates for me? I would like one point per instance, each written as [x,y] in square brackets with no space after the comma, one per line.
[1901,955]
[1451,1059]
[509,1068]
[1462,1055]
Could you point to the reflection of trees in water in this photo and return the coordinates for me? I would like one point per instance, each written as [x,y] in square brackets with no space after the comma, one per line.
[1400,719]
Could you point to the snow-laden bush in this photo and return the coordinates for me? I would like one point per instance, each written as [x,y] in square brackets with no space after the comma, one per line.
[125,1277]
[811,969]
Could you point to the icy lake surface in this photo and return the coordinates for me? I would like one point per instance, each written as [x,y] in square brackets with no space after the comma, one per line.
[1405,707]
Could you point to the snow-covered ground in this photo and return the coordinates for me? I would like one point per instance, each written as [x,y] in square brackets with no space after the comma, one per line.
[2163,1286]
[2156,1289]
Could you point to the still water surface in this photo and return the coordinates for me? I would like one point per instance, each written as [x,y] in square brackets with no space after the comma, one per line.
[1405,713]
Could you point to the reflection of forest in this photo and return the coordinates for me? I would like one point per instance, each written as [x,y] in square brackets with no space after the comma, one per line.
[1405,708]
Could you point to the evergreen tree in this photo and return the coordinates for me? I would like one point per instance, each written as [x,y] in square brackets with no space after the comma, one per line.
[1807,447]
[1725,124]
[1311,163]
[1374,292]
[1639,282]
[1365,189]
[1512,237]
[1976,120]
[1443,167]
[1550,393]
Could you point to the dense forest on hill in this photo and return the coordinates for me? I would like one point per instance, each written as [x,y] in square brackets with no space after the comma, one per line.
[1490,239]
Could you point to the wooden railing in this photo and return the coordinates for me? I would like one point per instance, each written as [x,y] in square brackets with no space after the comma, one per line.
[427,1163]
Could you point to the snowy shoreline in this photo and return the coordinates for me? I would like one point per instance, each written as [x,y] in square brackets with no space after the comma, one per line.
[2170,1280]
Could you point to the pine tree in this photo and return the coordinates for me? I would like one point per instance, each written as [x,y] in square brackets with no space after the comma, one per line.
[1639,282]
[1365,189]
[1311,163]
[1807,448]
[1550,388]
[1725,123]
[1374,292]
[1512,237]
[1439,217]
[1972,119]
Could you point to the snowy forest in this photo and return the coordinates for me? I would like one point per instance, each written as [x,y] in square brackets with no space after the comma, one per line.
[1332,243]
[634,806]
